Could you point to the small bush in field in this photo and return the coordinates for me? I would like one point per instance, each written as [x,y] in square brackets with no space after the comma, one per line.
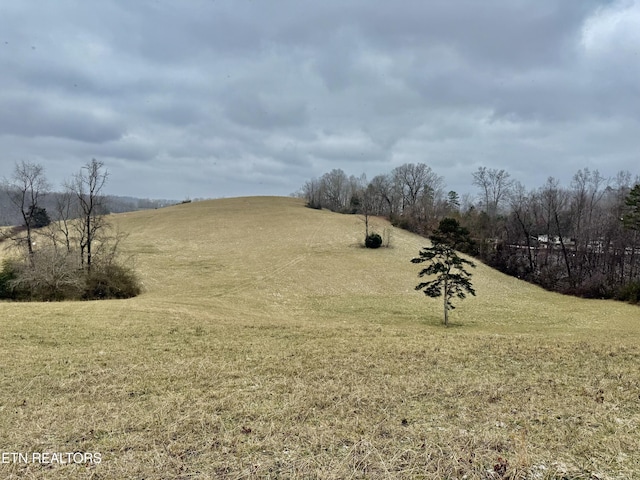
[373,240]
[111,281]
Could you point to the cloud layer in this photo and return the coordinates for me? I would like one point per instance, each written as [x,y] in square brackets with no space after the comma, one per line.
[210,98]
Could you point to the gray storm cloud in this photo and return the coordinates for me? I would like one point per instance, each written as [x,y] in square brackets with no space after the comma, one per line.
[261,96]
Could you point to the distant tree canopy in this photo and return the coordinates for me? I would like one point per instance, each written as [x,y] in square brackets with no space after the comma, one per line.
[411,195]
[451,233]
[631,216]
[9,216]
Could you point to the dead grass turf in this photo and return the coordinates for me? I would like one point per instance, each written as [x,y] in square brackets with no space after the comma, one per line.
[268,344]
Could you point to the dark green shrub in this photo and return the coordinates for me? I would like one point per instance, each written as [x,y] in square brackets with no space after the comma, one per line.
[354,204]
[373,240]
[629,292]
[7,275]
[111,281]
[38,217]
[455,235]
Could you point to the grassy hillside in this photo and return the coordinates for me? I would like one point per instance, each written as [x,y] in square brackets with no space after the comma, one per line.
[269,344]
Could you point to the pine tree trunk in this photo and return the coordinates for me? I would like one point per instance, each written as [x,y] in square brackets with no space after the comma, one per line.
[446,307]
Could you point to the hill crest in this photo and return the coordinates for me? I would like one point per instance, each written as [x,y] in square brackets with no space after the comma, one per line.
[273,254]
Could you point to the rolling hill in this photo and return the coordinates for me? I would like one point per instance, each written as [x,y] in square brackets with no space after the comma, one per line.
[269,344]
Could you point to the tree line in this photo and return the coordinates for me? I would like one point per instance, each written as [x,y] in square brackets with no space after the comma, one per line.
[411,195]
[581,239]
[74,257]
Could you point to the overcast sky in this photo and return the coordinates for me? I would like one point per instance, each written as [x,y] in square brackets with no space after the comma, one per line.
[220,98]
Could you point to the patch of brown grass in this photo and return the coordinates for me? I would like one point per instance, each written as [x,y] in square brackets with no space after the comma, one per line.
[268,344]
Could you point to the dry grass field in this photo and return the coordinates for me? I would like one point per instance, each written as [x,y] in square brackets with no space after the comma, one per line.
[269,344]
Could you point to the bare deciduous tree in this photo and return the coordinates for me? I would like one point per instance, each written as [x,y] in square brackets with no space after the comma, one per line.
[387,194]
[87,187]
[495,186]
[26,189]
[522,208]
[417,181]
[64,210]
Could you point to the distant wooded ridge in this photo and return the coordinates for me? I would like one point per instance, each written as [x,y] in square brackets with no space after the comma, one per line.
[9,216]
